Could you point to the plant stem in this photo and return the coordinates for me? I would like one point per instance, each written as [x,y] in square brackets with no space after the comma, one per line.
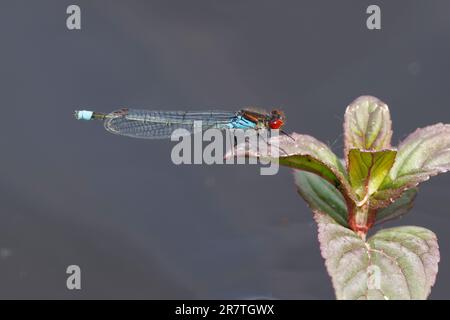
[361,217]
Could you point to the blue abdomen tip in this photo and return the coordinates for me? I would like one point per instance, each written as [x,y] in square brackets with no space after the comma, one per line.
[83,115]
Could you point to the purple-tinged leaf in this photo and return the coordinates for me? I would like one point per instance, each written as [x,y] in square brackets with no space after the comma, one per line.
[367,125]
[400,207]
[423,154]
[301,152]
[395,263]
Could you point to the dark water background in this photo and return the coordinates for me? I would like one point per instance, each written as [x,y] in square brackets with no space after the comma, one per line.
[141,227]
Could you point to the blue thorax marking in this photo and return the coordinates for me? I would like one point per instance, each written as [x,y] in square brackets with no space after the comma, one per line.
[239,122]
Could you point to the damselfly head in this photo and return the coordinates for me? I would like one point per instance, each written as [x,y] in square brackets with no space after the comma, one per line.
[276,120]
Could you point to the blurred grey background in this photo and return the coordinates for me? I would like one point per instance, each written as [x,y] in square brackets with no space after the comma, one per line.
[141,227]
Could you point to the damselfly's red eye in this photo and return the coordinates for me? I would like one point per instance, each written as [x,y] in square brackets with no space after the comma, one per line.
[276,123]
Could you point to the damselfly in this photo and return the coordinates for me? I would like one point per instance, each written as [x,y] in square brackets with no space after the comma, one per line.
[161,124]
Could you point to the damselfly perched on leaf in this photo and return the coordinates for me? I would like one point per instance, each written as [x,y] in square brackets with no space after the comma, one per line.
[160,124]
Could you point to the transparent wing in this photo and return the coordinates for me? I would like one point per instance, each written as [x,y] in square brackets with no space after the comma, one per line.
[161,124]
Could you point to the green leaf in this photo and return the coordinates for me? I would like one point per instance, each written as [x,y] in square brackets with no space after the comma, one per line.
[302,152]
[396,263]
[367,125]
[399,208]
[368,169]
[321,196]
